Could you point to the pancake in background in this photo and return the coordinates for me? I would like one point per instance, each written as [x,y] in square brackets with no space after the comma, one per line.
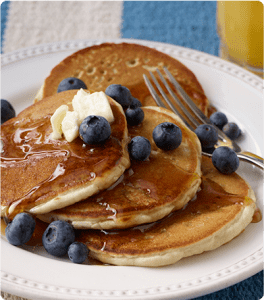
[148,190]
[221,211]
[40,174]
[101,65]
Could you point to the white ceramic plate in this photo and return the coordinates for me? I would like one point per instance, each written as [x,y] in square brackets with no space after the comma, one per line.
[232,90]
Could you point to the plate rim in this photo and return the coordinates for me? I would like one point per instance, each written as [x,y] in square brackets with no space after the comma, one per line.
[184,52]
[251,264]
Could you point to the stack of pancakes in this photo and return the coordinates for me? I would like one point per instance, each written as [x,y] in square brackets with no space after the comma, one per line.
[150,213]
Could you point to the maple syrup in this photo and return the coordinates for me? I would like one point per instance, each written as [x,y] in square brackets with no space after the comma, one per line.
[257,217]
[210,199]
[29,146]
[140,189]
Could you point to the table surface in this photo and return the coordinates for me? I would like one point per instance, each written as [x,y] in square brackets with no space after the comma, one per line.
[190,24]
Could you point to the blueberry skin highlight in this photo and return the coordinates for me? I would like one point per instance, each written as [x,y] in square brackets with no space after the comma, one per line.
[232,130]
[225,160]
[7,111]
[134,115]
[57,237]
[207,135]
[119,93]
[139,148]
[71,83]
[167,136]
[20,230]
[219,119]
[77,252]
[94,130]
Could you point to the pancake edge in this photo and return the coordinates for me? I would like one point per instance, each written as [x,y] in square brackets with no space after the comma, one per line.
[171,256]
[74,195]
[146,216]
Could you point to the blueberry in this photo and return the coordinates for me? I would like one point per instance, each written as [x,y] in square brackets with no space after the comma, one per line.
[77,252]
[20,230]
[167,136]
[7,111]
[135,102]
[207,135]
[71,83]
[139,148]
[208,150]
[119,93]
[94,129]
[134,115]
[219,119]
[232,130]
[225,160]
[57,237]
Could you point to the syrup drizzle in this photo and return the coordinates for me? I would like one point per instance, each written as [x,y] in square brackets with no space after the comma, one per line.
[71,164]
[211,199]
[31,142]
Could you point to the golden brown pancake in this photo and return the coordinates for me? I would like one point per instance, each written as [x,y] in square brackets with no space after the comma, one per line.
[101,65]
[40,174]
[148,190]
[223,208]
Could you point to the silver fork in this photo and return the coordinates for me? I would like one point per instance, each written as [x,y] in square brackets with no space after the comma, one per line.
[190,121]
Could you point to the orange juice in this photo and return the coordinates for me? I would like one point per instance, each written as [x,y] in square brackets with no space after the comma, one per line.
[240,28]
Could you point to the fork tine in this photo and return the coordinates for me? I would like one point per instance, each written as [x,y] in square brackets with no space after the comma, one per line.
[243,155]
[187,99]
[158,100]
[185,111]
[199,114]
[163,94]
[153,92]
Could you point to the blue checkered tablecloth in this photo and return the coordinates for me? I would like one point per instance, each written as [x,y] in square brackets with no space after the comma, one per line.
[190,24]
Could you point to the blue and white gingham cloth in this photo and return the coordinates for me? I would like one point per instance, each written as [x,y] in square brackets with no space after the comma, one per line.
[190,24]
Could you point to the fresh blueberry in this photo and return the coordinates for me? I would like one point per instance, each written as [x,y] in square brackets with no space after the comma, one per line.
[77,252]
[134,115]
[20,230]
[139,148]
[208,150]
[225,160]
[207,135]
[94,129]
[119,93]
[232,130]
[135,102]
[71,83]
[7,111]
[167,136]
[57,237]
[219,119]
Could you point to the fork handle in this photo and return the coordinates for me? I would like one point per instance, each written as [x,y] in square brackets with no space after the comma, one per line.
[251,158]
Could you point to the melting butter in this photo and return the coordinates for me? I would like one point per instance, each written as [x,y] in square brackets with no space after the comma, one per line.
[84,104]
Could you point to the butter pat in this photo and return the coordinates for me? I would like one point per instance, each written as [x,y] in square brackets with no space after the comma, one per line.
[1,146]
[70,126]
[86,104]
[56,121]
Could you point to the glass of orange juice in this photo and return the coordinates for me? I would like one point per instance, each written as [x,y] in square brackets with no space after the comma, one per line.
[240,29]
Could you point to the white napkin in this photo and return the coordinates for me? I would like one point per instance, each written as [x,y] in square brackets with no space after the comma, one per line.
[36,22]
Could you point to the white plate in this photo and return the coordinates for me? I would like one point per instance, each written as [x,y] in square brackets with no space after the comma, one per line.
[232,90]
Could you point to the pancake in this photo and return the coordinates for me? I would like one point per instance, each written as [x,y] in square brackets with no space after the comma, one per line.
[148,190]
[101,65]
[40,174]
[223,208]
